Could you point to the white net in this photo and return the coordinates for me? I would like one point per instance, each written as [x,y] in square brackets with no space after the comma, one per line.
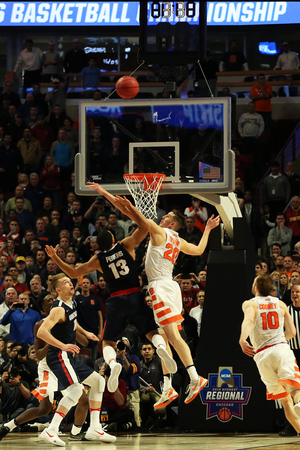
[144,190]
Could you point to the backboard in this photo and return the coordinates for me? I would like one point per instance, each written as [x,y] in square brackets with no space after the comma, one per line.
[186,139]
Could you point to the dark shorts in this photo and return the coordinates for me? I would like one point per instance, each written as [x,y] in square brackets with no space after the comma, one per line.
[124,308]
[67,369]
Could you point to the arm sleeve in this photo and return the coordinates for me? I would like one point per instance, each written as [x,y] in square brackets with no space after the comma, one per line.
[203,214]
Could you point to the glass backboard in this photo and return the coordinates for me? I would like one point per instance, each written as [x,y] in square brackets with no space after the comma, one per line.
[186,139]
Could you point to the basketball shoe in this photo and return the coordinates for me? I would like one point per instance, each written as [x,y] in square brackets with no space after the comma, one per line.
[50,436]
[194,388]
[113,380]
[99,435]
[3,431]
[166,398]
[169,362]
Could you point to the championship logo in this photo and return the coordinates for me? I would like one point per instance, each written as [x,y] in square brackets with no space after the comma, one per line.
[225,395]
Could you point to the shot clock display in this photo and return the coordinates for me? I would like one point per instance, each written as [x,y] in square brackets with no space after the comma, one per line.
[171,28]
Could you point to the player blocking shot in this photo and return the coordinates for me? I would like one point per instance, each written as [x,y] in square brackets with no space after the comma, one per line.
[164,247]
[126,302]
[269,325]
[59,331]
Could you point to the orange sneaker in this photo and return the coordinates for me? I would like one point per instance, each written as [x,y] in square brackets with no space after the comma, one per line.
[166,398]
[194,388]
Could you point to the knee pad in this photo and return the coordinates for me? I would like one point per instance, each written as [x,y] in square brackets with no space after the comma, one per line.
[97,384]
[72,395]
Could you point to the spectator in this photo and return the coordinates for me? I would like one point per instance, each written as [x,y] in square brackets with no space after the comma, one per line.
[281,235]
[289,90]
[44,134]
[277,190]
[41,234]
[100,290]
[252,215]
[30,60]
[11,203]
[50,178]
[287,60]
[251,126]
[23,180]
[114,227]
[199,213]
[25,218]
[63,152]
[22,273]
[16,128]
[32,119]
[261,94]
[15,393]
[294,179]
[189,293]
[114,160]
[26,106]
[22,320]
[7,283]
[292,215]
[25,248]
[125,223]
[50,61]
[34,192]
[233,60]
[75,59]
[89,314]
[35,290]
[90,76]
[58,96]
[39,100]
[294,279]
[150,392]
[197,311]
[11,163]
[11,296]
[190,232]
[288,265]
[56,120]
[19,287]
[8,93]
[31,151]
[72,133]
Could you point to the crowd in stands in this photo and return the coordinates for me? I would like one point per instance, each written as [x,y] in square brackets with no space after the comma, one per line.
[38,207]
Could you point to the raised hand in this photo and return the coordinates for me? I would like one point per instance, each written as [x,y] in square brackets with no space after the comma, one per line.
[95,187]
[213,222]
[51,251]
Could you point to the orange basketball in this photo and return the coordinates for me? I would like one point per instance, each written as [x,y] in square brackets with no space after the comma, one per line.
[127,87]
[224,414]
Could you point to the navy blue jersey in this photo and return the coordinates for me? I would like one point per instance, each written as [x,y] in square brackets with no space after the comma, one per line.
[65,331]
[119,269]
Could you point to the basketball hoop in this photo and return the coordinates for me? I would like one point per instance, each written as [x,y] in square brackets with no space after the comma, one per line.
[144,189]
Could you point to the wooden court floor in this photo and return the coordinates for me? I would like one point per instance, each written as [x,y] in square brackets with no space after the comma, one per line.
[161,441]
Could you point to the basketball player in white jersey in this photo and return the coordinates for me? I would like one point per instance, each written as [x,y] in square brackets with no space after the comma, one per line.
[163,250]
[265,318]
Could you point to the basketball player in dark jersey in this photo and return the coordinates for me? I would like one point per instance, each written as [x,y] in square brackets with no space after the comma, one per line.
[59,330]
[116,262]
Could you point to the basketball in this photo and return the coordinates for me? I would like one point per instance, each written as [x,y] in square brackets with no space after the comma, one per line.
[224,414]
[127,87]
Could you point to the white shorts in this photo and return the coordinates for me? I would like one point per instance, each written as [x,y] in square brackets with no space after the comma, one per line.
[48,383]
[278,370]
[167,302]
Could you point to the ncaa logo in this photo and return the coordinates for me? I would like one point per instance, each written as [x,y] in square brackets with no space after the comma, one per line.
[225,374]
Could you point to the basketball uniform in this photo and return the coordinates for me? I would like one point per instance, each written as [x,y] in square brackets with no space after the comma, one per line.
[63,364]
[274,358]
[165,293]
[126,302]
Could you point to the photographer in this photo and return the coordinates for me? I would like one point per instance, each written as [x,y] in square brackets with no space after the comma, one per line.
[22,320]
[130,374]
[120,417]
[15,393]
[27,368]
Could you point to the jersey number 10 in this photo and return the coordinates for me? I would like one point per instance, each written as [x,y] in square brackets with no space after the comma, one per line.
[270,320]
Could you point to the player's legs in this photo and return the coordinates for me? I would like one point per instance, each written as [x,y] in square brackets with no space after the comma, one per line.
[79,418]
[197,382]
[95,431]
[163,350]
[290,413]
[109,355]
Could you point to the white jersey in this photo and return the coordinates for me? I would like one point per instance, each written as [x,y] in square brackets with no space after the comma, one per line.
[269,323]
[160,259]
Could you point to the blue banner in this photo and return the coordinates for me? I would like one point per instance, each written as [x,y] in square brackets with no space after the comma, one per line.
[127,13]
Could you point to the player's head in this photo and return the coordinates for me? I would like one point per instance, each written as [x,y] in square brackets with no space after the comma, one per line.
[45,302]
[173,220]
[262,285]
[62,285]
[105,240]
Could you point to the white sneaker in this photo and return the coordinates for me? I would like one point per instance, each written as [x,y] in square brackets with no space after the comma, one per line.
[169,362]
[99,435]
[166,398]
[297,409]
[194,388]
[50,436]
[113,380]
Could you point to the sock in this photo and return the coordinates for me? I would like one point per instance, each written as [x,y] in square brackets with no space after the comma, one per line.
[192,373]
[109,355]
[11,425]
[56,421]
[95,417]
[76,429]
[157,340]
[167,382]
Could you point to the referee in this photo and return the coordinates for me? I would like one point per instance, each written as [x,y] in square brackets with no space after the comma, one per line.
[294,310]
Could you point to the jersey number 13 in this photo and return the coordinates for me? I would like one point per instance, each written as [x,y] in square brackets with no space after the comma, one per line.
[119,268]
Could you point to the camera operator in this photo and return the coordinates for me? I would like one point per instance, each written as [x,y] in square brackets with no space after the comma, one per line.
[119,416]
[27,368]
[15,393]
[21,319]
[130,374]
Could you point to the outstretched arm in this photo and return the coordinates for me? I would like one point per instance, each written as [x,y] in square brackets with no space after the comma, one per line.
[111,198]
[191,249]
[72,272]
